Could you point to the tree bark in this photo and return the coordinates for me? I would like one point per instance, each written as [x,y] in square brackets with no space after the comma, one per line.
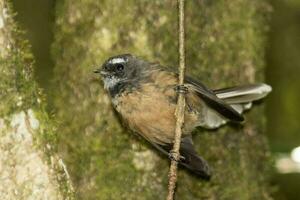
[224,47]
[29,165]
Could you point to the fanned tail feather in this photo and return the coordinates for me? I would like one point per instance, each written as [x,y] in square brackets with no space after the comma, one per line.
[243,94]
[240,98]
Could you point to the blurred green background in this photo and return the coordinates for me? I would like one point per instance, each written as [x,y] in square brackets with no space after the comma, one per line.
[282,71]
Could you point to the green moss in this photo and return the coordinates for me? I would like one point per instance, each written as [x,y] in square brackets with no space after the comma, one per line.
[20,93]
[225,46]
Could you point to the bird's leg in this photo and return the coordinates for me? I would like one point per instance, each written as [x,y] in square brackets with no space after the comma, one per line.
[172,155]
[181,89]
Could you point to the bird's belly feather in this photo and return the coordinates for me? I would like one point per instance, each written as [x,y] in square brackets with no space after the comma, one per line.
[151,113]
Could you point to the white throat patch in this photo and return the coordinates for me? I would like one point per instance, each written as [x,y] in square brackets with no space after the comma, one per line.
[110,82]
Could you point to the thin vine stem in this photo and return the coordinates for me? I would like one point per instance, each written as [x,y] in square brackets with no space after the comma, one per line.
[179,114]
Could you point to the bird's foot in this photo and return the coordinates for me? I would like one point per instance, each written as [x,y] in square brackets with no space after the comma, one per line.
[173,156]
[181,89]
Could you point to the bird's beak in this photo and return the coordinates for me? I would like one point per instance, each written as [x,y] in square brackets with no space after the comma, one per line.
[99,71]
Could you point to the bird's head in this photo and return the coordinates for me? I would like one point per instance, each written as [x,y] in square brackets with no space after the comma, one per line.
[121,69]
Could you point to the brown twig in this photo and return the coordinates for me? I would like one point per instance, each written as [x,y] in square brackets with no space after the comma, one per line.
[179,114]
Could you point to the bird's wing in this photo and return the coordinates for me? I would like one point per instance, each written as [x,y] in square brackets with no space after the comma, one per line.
[190,159]
[213,102]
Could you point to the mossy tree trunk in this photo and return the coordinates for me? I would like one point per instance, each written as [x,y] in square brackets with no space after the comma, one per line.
[29,166]
[225,46]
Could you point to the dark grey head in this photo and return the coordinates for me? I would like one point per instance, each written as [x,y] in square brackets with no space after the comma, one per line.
[121,69]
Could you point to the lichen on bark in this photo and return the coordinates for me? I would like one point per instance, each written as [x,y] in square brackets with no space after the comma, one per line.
[28,170]
[225,46]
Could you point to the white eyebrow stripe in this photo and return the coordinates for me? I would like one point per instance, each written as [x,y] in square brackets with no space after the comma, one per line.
[117,60]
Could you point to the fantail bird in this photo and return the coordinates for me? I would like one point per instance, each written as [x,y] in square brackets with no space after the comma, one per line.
[144,94]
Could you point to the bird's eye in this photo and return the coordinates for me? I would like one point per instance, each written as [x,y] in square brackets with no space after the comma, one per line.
[120,67]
